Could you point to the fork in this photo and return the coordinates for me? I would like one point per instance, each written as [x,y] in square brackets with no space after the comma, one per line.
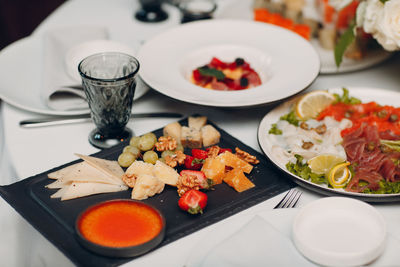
[290,199]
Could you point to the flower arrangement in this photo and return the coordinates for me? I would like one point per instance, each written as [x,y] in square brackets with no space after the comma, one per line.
[379,18]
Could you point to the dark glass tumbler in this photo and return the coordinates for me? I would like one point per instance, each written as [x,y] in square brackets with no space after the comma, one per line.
[193,10]
[151,11]
[109,83]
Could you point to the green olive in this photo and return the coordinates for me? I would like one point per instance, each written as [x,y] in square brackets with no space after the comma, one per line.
[146,142]
[132,149]
[150,157]
[126,159]
[134,141]
[166,153]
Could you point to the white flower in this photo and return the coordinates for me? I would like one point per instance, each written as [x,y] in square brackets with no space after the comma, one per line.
[339,4]
[382,21]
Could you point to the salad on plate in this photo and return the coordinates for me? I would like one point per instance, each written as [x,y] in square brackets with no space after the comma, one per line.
[337,141]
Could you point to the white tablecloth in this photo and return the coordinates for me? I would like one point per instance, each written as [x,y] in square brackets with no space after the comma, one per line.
[25,152]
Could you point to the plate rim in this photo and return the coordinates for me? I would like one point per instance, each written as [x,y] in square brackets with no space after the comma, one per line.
[31,40]
[315,187]
[151,82]
[325,69]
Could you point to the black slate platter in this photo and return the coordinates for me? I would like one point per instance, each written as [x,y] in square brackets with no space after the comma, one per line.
[55,219]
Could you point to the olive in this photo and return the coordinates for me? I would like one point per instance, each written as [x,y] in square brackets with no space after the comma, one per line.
[244,82]
[239,61]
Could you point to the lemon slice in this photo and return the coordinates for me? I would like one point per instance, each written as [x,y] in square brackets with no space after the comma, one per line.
[339,175]
[323,163]
[311,104]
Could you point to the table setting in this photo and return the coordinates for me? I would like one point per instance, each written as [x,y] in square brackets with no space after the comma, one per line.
[131,106]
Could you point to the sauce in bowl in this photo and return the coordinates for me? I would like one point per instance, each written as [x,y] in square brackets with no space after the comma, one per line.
[119,225]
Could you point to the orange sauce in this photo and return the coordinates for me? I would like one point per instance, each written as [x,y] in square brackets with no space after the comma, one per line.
[120,224]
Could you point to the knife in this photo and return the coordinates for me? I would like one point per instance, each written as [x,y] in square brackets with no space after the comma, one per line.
[50,121]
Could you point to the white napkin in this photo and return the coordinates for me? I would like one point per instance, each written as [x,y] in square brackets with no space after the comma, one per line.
[57,43]
[258,243]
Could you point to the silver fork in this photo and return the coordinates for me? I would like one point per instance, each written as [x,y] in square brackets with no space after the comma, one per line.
[289,200]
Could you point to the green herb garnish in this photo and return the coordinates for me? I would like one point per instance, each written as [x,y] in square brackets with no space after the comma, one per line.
[346,98]
[275,130]
[211,72]
[291,118]
[391,144]
[344,41]
[385,187]
[303,170]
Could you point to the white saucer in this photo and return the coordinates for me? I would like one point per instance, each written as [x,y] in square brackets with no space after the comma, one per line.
[77,53]
[21,64]
[339,231]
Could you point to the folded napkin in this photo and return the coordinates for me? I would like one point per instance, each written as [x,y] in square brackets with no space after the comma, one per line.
[57,43]
[264,243]
[257,243]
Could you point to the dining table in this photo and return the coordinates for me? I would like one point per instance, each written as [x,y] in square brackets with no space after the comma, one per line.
[29,151]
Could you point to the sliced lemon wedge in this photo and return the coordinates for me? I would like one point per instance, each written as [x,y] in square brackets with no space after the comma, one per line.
[339,175]
[311,104]
[323,163]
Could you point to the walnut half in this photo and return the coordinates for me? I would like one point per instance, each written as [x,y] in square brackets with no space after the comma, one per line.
[246,156]
[166,143]
[177,158]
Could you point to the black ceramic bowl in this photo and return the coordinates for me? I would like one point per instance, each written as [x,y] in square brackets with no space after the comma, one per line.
[128,251]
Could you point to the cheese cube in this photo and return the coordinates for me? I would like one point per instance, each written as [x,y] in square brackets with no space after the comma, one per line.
[210,135]
[191,137]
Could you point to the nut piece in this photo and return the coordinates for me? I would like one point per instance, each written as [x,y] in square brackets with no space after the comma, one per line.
[177,158]
[166,143]
[304,126]
[129,180]
[187,182]
[213,151]
[320,129]
[246,156]
[307,145]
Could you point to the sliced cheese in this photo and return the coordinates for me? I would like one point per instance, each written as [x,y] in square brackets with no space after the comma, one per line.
[85,172]
[76,190]
[146,186]
[59,183]
[60,192]
[60,173]
[165,173]
[109,167]
[139,167]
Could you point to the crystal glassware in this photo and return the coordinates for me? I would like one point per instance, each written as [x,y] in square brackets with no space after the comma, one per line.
[109,83]
[193,10]
[151,11]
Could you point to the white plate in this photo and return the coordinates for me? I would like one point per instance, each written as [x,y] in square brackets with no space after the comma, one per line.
[168,59]
[339,231]
[21,65]
[77,53]
[243,9]
[380,96]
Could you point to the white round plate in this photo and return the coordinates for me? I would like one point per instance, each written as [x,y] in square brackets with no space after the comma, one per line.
[243,10]
[381,96]
[21,64]
[285,62]
[339,231]
[77,53]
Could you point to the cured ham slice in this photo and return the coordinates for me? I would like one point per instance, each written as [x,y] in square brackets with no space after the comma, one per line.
[371,164]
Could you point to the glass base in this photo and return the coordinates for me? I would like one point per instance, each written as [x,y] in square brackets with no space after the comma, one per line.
[98,140]
[155,15]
